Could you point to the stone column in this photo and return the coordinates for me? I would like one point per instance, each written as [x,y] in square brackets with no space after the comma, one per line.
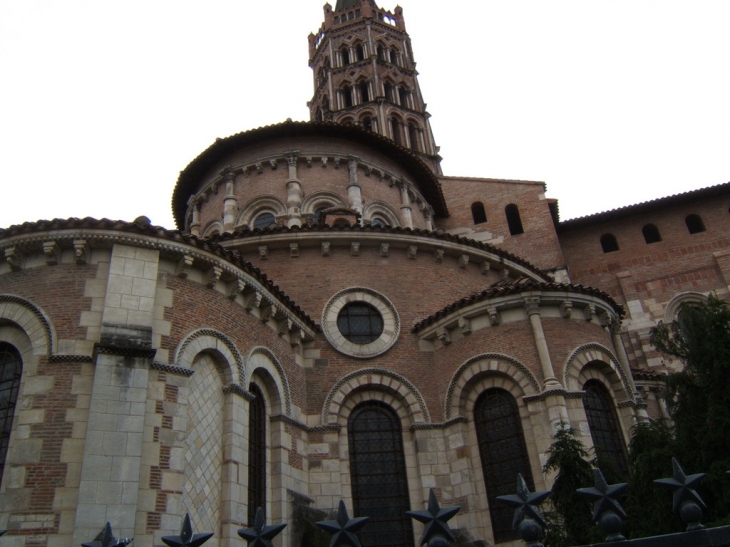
[429,219]
[195,224]
[110,469]
[234,473]
[405,205]
[230,203]
[294,194]
[354,194]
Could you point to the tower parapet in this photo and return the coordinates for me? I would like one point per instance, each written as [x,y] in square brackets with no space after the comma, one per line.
[365,74]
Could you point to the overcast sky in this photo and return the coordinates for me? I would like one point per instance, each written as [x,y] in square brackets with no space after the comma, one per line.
[610,102]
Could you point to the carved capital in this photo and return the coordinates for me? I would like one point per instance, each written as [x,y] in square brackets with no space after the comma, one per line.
[532,305]
[355,248]
[604,318]
[14,258]
[294,250]
[183,266]
[438,255]
[325,248]
[444,336]
[463,261]
[52,252]
[384,250]
[412,251]
[614,326]
[81,251]
[235,288]
[465,325]
[263,252]
[212,276]
[292,160]
[566,309]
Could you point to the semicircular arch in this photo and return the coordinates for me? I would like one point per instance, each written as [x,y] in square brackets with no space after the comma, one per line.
[31,319]
[262,358]
[594,353]
[380,208]
[217,343]
[374,380]
[320,199]
[260,204]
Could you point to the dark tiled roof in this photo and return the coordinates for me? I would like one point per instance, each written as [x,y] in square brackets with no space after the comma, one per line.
[245,231]
[504,288]
[640,374]
[347,4]
[190,177]
[646,206]
[143,227]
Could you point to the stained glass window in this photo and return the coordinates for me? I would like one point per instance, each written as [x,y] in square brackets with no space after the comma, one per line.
[256,453]
[11,366]
[602,421]
[503,453]
[378,471]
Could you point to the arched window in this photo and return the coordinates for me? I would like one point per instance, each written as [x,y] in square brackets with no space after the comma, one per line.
[381,53]
[263,221]
[364,92]
[378,475]
[388,90]
[378,222]
[413,137]
[478,213]
[397,134]
[651,233]
[11,366]
[256,453]
[394,56]
[503,453]
[609,243]
[603,423]
[347,96]
[367,123]
[345,54]
[317,214]
[513,219]
[694,224]
[360,52]
[403,96]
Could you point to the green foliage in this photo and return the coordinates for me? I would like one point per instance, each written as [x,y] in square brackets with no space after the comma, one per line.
[571,521]
[698,398]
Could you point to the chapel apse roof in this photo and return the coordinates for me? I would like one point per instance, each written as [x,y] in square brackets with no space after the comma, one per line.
[505,288]
[645,207]
[143,227]
[347,4]
[191,176]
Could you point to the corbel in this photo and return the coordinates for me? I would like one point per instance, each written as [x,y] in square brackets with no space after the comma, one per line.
[504,274]
[183,266]
[355,248]
[263,252]
[484,267]
[274,164]
[323,160]
[337,163]
[285,326]
[566,309]
[212,276]
[308,159]
[325,248]
[14,258]
[463,261]
[438,255]
[259,167]
[465,325]
[235,288]
[604,318]
[254,301]
[589,311]
[367,170]
[443,335]
[384,250]
[52,252]
[412,251]
[81,251]
[493,315]
[296,338]
[294,250]
[271,313]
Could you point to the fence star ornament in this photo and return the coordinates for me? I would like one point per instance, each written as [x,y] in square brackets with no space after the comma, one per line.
[186,537]
[526,503]
[105,538]
[604,495]
[260,535]
[683,487]
[435,519]
[343,529]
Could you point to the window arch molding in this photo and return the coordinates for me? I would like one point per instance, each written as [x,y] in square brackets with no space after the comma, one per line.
[35,328]
[214,226]
[382,209]
[317,200]
[671,312]
[602,359]
[216,343]
[263,364]
[258,205]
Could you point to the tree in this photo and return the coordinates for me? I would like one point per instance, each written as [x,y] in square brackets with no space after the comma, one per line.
[698,397]
[571,521]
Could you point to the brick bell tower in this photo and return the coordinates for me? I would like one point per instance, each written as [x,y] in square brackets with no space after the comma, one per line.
[365,74]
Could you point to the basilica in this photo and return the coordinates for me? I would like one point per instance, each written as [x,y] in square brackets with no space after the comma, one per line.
[333,318]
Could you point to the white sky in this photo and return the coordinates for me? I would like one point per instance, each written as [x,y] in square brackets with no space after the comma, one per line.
[611,102]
